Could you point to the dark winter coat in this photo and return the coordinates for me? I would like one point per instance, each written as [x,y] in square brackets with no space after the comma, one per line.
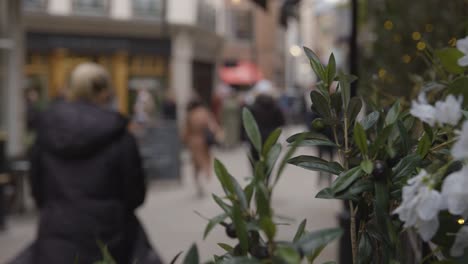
[87,180]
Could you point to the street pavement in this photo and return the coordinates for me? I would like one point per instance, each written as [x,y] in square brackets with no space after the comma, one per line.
[170,218]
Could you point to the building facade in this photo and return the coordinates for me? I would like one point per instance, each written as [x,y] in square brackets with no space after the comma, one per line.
[253,34]
[165,46]
[11,57]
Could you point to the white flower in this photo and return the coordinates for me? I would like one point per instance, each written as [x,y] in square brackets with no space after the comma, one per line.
[460,148]
[449,111]
[420,206]
[455,192]
[461,242]
[462,45]
[422,110]
[444,112]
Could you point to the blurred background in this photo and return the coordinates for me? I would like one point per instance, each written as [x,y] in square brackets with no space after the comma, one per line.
[162,53]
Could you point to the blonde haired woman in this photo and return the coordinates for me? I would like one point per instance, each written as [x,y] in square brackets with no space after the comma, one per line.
[86,176]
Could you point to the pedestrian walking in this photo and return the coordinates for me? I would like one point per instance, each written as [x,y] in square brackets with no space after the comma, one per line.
[87,179]
[269,117]
[201,132]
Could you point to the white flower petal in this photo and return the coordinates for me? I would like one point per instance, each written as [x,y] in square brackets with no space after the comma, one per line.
[461,242]
[429,204]
[463,61]
[462,45]
[460,148]
[427,229]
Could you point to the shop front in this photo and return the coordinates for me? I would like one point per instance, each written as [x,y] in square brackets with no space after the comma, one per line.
[134,64]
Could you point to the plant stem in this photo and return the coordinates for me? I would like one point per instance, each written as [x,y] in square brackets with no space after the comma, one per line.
[353,231]
[446,143]
[351,206]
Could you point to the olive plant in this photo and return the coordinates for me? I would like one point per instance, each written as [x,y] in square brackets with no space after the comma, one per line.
[379,156]
[248,217]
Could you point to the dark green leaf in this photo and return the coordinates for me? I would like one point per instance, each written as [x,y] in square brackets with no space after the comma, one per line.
[345,89]
[330,262]
[174,259]
[268,227]
[345,179]
[393,114]
[354,108]
[192,256]
[288,255]
[241,229]
[271,141]
[320,103]
[449,59]
[300,230]
[317,143]
[251,129]
[365,249]
[223,177]
[241,198]
[306,136]
[325,193]
[405,140]
[406,167]
[249,190]
[424,146]
[315,63]
[331,69]
[313,241]
[213,222]
[226,208]
[241,260]
[316,164]
[287,157]
[360,138]
[262,198]
[272,157]
[370,120]
[336,103]
[355,191]
[226,247]
[367,166]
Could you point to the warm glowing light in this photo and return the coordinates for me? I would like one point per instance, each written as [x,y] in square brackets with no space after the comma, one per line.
[382,73]
[453,42]
[429,28]
[416,35]
[388,25]
[406,58]
[461,221]
[236,2]
[295,50]
[421,45]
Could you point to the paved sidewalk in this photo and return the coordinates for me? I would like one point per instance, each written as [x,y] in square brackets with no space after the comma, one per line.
[169,218]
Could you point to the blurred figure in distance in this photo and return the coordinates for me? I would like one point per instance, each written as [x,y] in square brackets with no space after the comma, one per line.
[86,176]
[201,132]
[268,115]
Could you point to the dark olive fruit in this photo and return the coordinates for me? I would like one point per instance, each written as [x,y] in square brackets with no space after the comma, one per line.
[260,252]
[380,169]
[230,230]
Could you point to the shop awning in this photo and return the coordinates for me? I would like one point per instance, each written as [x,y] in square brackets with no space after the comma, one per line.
[244,73]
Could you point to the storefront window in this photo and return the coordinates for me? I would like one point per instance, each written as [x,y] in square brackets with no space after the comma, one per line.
[35,5]
[206,15]
[91,7]
[148,9]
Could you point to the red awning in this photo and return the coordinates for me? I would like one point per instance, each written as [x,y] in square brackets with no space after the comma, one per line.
[244,73]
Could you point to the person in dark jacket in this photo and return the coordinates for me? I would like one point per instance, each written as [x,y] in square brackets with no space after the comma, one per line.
[86,176]
[268,115]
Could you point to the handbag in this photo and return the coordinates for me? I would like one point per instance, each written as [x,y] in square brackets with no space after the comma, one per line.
[210,137]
